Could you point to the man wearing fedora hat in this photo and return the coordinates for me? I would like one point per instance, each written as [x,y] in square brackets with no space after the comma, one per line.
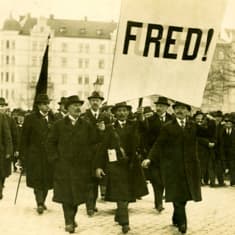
[62,112]
[33,150]
[153,125]
[117,159]
[96,118]
[175,152]
[69,150]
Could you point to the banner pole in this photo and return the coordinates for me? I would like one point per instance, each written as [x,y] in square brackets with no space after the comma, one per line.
[115,48]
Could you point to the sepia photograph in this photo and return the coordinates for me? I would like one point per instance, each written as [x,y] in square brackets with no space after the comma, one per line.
[117,117]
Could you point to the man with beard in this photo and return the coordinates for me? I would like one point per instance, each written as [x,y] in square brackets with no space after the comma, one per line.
[69,148]
[33,150]
[153,125]
[94,116]
[118,160]
[175,153]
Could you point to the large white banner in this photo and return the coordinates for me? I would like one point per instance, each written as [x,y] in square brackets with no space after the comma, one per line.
[165,47]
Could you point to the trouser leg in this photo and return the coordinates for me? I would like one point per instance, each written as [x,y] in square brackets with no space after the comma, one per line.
[40,196]
[69,211]
[1,189]
[122,212]
[179,213]
[92,195]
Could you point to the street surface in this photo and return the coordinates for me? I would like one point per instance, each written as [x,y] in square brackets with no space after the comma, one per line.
[215,215]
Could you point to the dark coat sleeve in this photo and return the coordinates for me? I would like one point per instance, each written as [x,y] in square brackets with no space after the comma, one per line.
[7,139]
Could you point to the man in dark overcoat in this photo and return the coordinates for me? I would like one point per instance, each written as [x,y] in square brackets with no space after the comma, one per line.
[117,155]
[6,149]
[175,152]
[33,150]
[95,117]
[69,149]
[153,125]
[228,147]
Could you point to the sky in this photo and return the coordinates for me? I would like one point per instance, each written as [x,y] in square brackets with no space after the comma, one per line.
[106,10]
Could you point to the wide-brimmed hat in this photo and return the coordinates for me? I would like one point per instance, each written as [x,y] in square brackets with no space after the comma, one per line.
[3,102]
[73,100]
[63,100]
[120,105]
[96,94]
[42,98]
[177,103]
[147,109]
[162,100]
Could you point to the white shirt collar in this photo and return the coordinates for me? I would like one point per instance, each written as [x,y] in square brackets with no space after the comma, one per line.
[73,120]
[44,115]
[180,121]
[95,113]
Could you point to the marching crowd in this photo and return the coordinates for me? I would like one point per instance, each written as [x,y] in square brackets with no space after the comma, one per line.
[111,147]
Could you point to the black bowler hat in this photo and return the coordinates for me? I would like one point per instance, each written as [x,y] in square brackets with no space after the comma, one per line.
[95,94]
[217,113]
[3,102]
[62,100]
[199,112]
[177,103]
[120,105]
[42,98]
[162,100]
[73,100]
[147,109]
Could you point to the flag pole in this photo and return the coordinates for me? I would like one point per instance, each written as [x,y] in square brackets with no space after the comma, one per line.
[115,48]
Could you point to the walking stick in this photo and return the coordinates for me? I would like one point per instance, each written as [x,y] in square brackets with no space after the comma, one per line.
[18,186]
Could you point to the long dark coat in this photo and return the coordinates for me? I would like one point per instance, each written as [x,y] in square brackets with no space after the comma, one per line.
[69,148]
[33,151]
[125,178]
[6,147]
[175,151]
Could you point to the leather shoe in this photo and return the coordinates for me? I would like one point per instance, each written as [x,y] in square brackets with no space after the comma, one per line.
[182,228]
[125,228]
[95,209]
[90,213]
[116,219]
[40,209]
[44,207]
[160,209]
[75,224]
[69,228]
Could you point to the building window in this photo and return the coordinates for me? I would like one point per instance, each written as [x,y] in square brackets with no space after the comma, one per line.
[12,94]
[86,63]
[64,47]
[41,46]
[7,59]
[1,92]
[87,48]
[41,29]
[64,78]
[13,60]
[34,45]
[86,80]
[99,32]
[102,49]
[6,94]
[101,64]
[7,44]
[80,63]
[34,77]
[13,44]
[100,79]
[86,94]
[80,80]
[80,48]
[7,77]
[12,77]
[34,61]
[2,77]
[63,62]
[82,31]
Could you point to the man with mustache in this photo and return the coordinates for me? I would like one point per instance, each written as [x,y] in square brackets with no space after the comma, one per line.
[95,117]
[33,150]
[175,153]
[69,149]
[118,161]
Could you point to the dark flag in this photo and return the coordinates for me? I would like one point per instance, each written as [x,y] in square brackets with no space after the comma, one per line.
[41,87]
